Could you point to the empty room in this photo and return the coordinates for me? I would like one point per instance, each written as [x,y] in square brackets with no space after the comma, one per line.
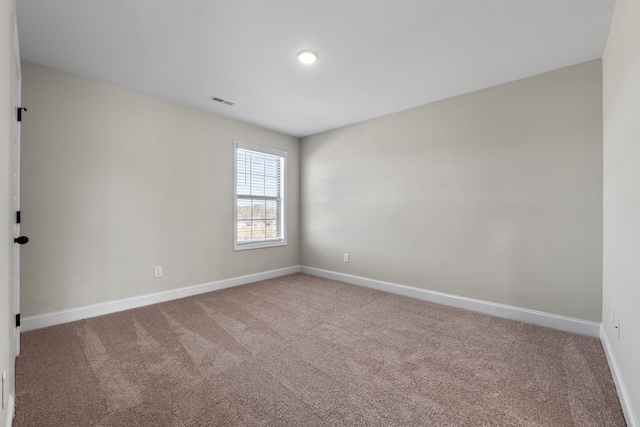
[320,213]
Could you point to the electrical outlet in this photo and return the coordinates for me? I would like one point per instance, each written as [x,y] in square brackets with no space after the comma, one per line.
[158,271]
[346,257]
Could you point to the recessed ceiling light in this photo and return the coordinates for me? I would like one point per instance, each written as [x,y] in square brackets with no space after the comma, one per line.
[307,56]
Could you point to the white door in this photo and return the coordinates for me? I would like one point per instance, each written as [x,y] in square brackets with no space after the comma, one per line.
[16,82]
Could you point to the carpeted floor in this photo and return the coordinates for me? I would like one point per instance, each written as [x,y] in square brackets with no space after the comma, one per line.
[305,351]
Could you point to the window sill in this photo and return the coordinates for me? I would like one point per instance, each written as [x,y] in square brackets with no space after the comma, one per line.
[258,245]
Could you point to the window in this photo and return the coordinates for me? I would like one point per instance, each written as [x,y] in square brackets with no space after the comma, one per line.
[260,177]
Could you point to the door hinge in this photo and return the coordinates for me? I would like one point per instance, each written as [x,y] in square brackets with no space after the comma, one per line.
[20,113]
[17,320]
[18,217]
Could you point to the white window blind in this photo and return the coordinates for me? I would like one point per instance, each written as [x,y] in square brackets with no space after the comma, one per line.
[259,197]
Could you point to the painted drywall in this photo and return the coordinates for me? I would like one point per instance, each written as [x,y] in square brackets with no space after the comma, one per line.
[7,7]
[116,182]
[621,141]
[494,195]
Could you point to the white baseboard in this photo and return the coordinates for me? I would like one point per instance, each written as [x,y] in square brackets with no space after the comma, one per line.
[623,395]
[549,320]
[540,318]
[58,317]
[11,410]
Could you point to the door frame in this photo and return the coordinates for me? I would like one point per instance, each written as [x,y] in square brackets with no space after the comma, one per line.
[14,203]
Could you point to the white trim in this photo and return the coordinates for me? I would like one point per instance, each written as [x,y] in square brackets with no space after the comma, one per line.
[11,410]
[623,395]
[14,190]
[260,149]
[258,245]
[540,318]
[55,318]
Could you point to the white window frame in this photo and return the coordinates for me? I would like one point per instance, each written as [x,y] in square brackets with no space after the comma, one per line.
[282,240]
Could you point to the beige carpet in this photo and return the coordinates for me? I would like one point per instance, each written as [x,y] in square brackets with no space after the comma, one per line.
[305,351]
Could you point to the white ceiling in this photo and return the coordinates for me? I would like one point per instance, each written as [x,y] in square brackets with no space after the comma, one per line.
[376,56]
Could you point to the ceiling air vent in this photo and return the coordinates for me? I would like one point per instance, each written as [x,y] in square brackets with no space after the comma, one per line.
[220,100]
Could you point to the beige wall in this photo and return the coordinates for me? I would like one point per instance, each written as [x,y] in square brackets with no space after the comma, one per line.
[115,182]
[621,265]
[495,195]
[7,323]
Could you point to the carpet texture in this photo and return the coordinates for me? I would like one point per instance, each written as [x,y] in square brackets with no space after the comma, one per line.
[305,351]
